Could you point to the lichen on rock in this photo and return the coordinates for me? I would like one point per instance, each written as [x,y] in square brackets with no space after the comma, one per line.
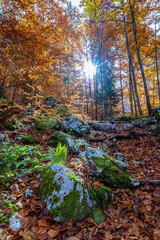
[75,125]
[67,197]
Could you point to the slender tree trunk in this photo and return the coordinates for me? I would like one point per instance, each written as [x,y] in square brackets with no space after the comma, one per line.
[132,88]
[140,61]
[130,91]
[121,87]
[101,73]
[156,58]
[90,93]
[2,91]
[131,64]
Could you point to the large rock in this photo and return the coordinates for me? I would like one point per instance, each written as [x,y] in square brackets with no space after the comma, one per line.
[144,122]
[51,101]
[47,123]
[105,126]
[75,125]
[127,126]
[156,112]
[112,172]
[65,195]
[3,139]
[74,145]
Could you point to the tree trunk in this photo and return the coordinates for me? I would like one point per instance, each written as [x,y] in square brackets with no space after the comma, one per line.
[132,88]
[101,73]
[140,61]
[121,87]
[156,58]
[131,64]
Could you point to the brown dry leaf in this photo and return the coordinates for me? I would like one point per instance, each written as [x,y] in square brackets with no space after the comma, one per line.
[61,178]
[90,220]
[149,208]
[28,235]
[34,202]
[42,236]
[41,230]
[73,238]
[96,184]
[42,223]
[53,233]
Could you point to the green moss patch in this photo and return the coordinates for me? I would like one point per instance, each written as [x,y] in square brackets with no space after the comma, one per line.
[47,123]
[27,139]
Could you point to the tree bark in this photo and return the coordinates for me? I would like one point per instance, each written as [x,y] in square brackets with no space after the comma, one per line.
[121,87]
[156,58]
[131,64]
[140,61]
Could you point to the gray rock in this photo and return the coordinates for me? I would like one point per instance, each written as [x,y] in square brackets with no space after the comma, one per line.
[134,182]
[137,163]
[120,157]
[14,223]
[156,112]
[51,101]
[28,193]
[144,122]
[91,153]
[155,182]
[121,164]
[2,137]
[66,196]
[75,145]
[127,126]
[105,126]
[75,125]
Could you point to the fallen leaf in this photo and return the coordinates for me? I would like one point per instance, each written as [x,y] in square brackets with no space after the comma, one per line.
[42,223]
[53,233]
[149,208]
[73,238]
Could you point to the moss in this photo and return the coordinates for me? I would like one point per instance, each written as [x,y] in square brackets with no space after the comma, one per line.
[102,196]
[71,175]
[48,184]
[29,140]
[10,125]
[125,118]
[112,173]
[57,137]
[157,130]
[4,219]
[71,208]
[47,123]
[71,134]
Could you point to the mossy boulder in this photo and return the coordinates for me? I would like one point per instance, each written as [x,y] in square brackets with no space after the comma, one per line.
[58,137]
[75,125]
[65,195]
[142,122]
[47,123]
[156,112]
[51,101]
[27,140]
[9,125]
[113,173]
[104,126]
[156,130]
[74,145]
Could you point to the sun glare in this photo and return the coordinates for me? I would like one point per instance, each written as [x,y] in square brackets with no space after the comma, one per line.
[89,69]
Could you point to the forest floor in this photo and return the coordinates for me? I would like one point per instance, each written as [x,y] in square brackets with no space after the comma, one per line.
[134,214]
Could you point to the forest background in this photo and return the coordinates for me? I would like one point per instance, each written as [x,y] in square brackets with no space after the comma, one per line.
[101,59]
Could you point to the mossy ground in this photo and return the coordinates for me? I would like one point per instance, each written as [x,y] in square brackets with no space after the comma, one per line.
[112,173]
[56,138]
[29,140]
[47,123]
